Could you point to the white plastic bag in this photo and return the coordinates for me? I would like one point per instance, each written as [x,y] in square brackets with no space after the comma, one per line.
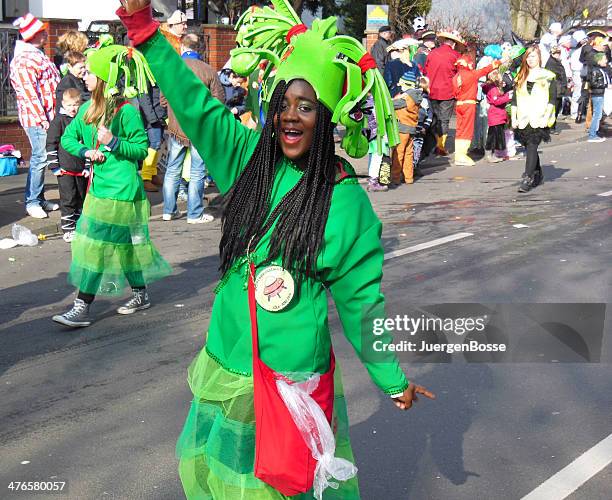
[317,433]
[23,236]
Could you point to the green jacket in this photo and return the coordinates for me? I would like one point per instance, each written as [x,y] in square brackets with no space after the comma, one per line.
[296,338]
[117,178]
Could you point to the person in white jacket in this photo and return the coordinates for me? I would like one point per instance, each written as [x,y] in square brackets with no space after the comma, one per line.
[549,40]
[581,39]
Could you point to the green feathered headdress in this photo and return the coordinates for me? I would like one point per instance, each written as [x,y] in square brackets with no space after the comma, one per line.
[117,64]
[339,69]
[104,40]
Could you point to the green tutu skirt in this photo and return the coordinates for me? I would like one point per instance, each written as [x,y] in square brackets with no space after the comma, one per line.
[112,248]
[216,449]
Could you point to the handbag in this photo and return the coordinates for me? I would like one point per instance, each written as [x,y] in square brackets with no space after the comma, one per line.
[282,458]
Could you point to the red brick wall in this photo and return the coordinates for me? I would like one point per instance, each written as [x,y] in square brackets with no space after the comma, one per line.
[57,27]
[221,38]
[12,133]
[371,37]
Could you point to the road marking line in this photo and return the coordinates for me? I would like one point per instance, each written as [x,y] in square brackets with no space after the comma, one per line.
[428,244]
[607,193]
[574,475]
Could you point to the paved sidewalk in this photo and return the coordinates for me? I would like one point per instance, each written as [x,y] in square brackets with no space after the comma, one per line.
[12,209]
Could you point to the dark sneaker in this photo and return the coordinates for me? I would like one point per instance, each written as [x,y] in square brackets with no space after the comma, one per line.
[138,302]
[525,186]
[77,317]
[538,178]
[49,206]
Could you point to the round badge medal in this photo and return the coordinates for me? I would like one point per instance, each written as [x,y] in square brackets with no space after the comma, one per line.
[274,288]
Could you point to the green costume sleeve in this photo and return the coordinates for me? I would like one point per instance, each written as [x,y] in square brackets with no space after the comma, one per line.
[223,142]
[72,138]
[355,288]
[133,140]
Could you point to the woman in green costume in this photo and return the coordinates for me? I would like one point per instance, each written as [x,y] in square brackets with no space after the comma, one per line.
[112,247]
[297,213]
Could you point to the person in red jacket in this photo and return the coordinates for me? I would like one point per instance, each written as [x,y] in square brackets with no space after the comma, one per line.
[440,69]
[465,85]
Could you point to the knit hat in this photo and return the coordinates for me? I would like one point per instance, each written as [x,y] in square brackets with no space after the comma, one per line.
[338,68]
[565,40]
[579,36]
[29,26]
[114,62]
[555,28]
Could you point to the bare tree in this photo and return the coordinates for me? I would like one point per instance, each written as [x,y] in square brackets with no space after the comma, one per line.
[228,8]
[403,12]
[566,12]
[478,21]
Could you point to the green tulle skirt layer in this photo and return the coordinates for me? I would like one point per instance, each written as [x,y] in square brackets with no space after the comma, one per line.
[112,248]
[216,449]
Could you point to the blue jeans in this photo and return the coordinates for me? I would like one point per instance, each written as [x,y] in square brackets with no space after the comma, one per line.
[155,135]
[176,156]
[35,183]
[597,103]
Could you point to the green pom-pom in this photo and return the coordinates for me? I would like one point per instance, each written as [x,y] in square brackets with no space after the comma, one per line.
[130,92]
[244,64]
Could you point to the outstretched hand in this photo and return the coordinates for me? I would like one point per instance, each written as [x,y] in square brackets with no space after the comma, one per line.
[404,402]
[134,5]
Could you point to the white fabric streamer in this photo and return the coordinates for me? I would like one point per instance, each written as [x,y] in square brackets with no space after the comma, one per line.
[317,434]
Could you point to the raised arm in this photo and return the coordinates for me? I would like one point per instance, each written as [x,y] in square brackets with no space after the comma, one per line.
[222,141]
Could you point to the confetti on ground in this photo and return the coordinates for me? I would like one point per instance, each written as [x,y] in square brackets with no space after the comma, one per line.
[179,305]
[601,176]
[563,260]
[519,226]
[25,462]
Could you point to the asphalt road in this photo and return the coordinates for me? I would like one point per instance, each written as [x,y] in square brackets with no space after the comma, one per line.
[101,407]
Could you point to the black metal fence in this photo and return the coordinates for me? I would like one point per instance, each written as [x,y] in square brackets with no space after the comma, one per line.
[8,104]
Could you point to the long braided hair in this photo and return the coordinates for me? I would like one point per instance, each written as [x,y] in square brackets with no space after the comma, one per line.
[300,216]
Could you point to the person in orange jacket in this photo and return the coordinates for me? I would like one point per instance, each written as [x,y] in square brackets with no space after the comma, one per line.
[465,85]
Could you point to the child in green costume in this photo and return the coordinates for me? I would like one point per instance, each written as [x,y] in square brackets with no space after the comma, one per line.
[111,248]
[296,212]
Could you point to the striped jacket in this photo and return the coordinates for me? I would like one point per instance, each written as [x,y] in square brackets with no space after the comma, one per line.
[34,78]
